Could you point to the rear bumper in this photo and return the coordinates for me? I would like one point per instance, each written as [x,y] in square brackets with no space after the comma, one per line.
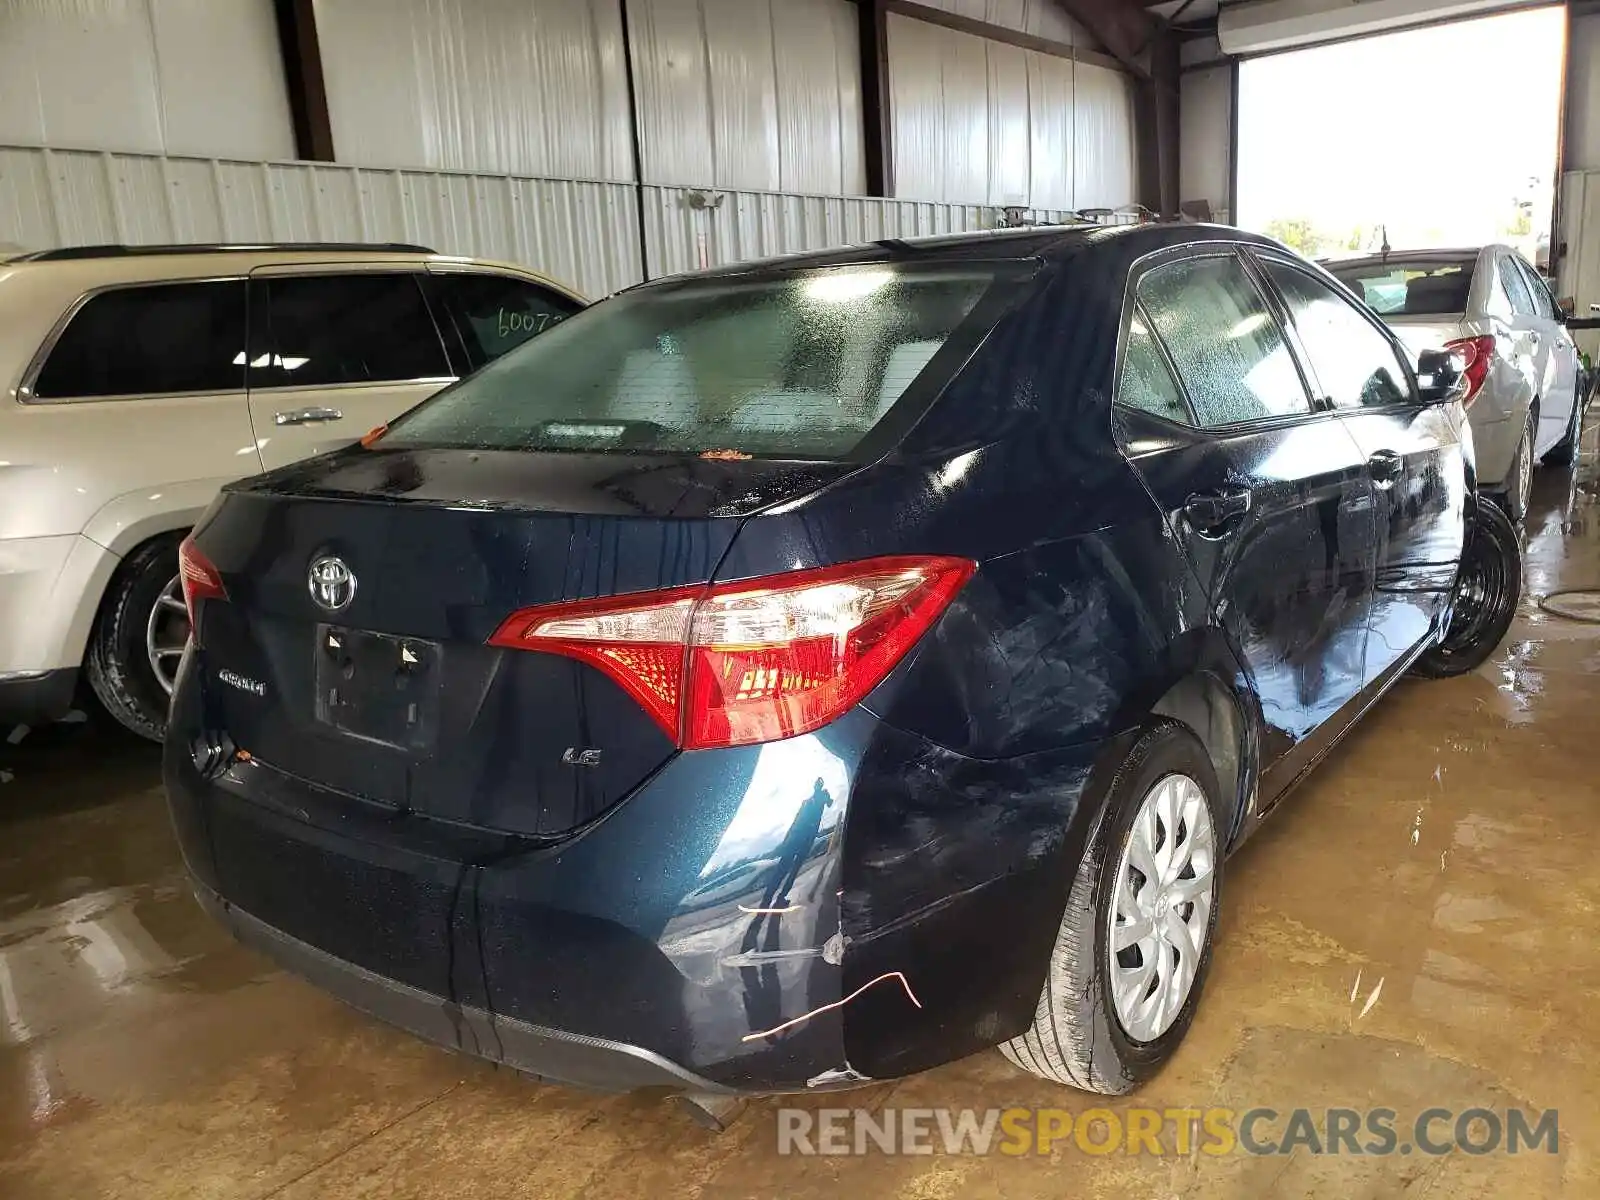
[547,1054]
[33,698]
[1494,445]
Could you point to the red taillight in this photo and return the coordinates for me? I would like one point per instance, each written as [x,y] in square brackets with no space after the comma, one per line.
[753,661]
[201,579]
[1478,352]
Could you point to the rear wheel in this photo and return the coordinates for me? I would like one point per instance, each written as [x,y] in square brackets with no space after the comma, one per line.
[1484,601]
[1564,451]
[1131,955]
[138,639]
[1519,481]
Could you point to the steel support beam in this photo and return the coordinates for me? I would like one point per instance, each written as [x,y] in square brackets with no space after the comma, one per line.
[876,115]
[302,74]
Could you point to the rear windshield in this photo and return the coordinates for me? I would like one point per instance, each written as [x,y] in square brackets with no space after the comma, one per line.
[1424,288]
[801,365]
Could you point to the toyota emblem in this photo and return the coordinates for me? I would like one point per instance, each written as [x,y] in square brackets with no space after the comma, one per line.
[332,583]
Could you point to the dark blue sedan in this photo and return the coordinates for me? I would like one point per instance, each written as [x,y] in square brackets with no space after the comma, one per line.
[813,671]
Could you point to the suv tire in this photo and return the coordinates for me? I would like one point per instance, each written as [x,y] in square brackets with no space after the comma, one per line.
[118,663]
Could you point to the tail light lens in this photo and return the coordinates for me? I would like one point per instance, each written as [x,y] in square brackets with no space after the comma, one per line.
[753,661]
[201,579]
[1478,352]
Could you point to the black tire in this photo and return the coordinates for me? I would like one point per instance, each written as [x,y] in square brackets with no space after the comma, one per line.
[117,663]
[1076,1037]
[1565,451]
[1519,480]
[1484,601]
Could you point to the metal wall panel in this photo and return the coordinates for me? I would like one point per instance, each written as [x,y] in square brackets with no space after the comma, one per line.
[980,121]
[1102,142]
[818,66]
[525,87]
[1205,138]
[154,76]
[755,94]
[1581,137]
[582,232]
[685,236]
[1050,126]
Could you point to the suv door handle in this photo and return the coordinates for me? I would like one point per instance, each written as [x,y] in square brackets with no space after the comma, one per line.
[1385,466]
[306,416]
[1210,513]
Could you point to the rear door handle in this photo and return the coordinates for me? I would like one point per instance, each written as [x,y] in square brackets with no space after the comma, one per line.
[306,416]
[1210,514]
[1385,466]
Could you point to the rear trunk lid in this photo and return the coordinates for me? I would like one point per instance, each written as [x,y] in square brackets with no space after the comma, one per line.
[362,589]
[1429,332]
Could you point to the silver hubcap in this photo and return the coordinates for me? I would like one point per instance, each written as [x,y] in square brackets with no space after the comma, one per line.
[1161,906]
[1524,471]
[166,634]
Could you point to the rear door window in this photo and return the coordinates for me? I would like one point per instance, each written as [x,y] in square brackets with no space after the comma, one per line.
[325,330]
[1146,383]
[1544,304]
[150,340]
[1355,363]
[798,364]
[1516,288]
[1224,341]
[489,315]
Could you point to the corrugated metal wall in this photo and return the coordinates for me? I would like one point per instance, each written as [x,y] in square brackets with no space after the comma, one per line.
[153,76]
[979,121]
[527,87]
[584,233]
[762,94]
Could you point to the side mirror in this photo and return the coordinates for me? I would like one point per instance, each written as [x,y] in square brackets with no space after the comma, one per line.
[1567,306]
[1441,376]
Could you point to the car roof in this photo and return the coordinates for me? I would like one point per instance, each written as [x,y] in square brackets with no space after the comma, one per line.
[1031,242]
[88,267]
[1433,254]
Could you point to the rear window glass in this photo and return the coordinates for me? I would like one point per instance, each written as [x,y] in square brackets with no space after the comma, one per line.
[1424,288]
[801,365]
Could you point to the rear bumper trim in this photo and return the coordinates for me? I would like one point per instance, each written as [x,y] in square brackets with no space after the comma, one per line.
[33,697]
[548,1054]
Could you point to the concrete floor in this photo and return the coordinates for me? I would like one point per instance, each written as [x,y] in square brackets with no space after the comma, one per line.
[1446,851]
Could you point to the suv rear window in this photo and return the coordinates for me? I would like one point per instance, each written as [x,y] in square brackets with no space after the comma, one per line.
[150,340]
[797,365]
[1420,288]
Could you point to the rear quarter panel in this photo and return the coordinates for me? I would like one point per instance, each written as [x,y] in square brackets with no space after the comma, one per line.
[1002,730]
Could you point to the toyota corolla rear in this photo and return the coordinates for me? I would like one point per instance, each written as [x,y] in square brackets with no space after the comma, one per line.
[1445,299]
[492,728]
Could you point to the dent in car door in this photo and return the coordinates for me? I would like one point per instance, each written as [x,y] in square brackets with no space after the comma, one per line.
[1559,387]
[1268,498]
[1413,454]
[335,354]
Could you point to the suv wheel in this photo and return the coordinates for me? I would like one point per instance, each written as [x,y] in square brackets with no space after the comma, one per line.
[138,639]
[1131,955]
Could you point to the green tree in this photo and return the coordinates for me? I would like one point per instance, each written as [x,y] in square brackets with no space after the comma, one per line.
[1295,233]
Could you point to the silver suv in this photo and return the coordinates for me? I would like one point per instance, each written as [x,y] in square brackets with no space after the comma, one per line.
[1495,309]
[141,379]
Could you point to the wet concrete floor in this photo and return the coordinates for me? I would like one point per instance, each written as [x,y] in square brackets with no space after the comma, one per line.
[1416,929]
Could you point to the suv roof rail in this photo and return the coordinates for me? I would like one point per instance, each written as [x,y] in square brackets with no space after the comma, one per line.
[64,253]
